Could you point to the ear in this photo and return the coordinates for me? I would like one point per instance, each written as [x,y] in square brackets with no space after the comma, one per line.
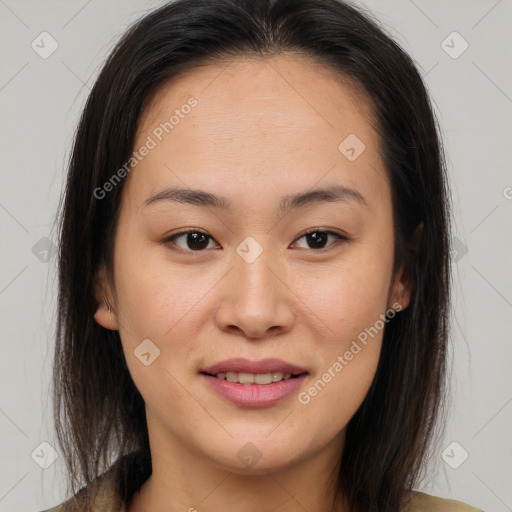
[400,296]
[103,294]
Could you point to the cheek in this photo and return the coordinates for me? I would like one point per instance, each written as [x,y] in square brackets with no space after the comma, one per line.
[334,396]
[351,306]
[347,298]
[350,301]
[156,296]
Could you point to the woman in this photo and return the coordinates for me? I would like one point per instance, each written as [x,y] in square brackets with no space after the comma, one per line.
[254,268]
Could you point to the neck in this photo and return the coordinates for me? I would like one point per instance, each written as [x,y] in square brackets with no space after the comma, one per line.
[184,480]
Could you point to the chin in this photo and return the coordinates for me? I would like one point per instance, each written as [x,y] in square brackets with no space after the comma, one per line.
[257,456]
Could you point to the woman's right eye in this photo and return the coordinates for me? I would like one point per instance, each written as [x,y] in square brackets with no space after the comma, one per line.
[190,241]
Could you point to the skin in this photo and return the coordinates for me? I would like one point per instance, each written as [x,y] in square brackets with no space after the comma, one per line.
[262,129]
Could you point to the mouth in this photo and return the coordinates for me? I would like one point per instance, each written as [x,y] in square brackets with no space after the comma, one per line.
[245,371]
[255,378]
[254,383]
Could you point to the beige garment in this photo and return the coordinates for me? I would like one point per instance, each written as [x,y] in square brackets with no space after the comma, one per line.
[420,502]
[128,474]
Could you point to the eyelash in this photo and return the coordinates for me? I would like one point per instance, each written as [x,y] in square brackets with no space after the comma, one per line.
[172,238]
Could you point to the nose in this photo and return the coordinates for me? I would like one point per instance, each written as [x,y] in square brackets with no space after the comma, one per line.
[256,300]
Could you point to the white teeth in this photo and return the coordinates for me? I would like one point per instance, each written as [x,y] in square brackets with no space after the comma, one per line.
[277,376]
[253,378]
[263,378]
[246,378]
[232,377]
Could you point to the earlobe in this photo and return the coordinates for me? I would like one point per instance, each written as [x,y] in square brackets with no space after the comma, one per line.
[401,293]
[404,284]
[105,314]
[105,318]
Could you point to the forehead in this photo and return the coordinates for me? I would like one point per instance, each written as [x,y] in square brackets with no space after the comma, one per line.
[279,119]
[310,88]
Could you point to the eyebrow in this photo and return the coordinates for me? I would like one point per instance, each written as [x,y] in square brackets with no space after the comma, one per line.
[334,193]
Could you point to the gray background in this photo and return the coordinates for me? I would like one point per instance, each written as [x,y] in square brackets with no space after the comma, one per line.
[40,100]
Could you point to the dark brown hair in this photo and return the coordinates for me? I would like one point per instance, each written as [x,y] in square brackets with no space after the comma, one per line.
[99,413]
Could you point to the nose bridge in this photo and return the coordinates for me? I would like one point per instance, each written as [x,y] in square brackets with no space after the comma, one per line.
[254,284]
[256,300]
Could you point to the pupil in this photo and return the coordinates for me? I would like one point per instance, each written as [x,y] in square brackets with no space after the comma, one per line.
[317,239]
[197,241]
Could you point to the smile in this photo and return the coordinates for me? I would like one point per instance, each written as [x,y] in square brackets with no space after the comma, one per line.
[254,393]
[255,378]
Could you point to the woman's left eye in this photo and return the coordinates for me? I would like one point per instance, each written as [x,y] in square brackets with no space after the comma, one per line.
[317,239]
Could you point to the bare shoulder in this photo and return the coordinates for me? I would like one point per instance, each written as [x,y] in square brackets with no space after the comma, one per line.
[422,502]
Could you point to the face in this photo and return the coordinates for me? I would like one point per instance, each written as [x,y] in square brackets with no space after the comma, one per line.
[273,268]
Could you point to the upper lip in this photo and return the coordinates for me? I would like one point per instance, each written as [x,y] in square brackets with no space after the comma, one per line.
[240,364]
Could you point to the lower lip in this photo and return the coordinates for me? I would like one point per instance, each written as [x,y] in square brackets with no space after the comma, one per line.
[255,395]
